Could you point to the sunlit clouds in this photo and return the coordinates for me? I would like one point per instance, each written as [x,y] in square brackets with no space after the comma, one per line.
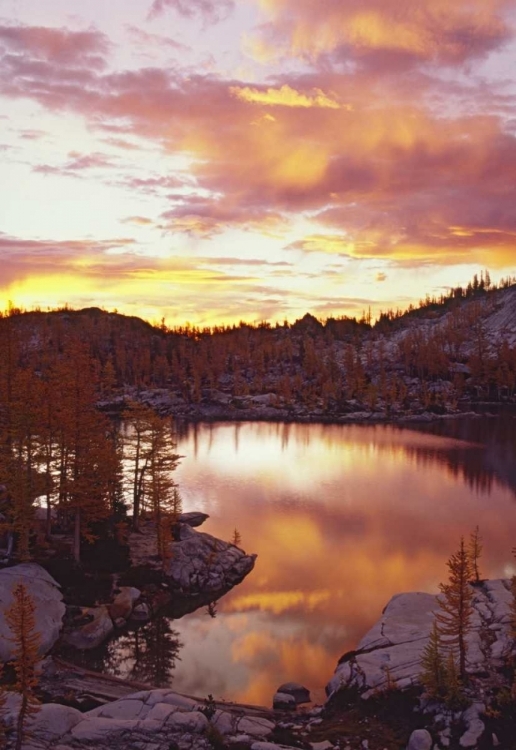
[366,140]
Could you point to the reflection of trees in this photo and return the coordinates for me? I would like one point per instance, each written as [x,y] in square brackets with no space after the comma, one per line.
[147,654]
[492,457]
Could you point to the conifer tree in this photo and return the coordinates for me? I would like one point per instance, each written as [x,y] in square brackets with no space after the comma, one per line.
[454,619]
[453,682]
[162,491]
[433,667]
[22,624]
[236,538]
[85,444]
[137,452]
[475,551]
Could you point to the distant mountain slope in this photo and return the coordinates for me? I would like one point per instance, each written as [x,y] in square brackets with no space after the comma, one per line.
[461,349]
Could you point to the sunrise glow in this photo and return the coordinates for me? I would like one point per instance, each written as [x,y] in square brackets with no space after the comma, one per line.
[217,160]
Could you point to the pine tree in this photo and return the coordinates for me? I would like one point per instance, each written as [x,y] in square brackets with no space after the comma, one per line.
[162,491]
[237,538]
[433,668]
[475,551]
[85,473]
[22,624]
[137,452]
[454,619]
[453,683]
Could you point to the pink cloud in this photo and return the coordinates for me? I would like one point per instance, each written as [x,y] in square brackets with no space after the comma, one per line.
[381,32]
[211,11]
[145,40]
[60,46]
[385,170]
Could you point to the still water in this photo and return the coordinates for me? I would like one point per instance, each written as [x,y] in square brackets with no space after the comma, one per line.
[342,518]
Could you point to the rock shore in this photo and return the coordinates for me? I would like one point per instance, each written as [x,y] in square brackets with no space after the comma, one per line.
[201,568]
[147,720]
[392,649]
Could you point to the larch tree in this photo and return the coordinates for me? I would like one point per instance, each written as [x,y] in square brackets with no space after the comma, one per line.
[21,620]
[137,452]
[433,667]
[19,457]
[456,608]
[85,478]
[475,552]
[165,501]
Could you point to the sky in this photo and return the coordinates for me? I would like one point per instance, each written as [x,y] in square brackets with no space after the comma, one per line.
[210,161]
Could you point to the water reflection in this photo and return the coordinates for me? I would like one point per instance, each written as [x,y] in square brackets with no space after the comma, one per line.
[147,654]
[342,517]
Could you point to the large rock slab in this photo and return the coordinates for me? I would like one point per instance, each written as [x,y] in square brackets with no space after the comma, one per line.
[48,602]
[392,649]
[201,563]
[154,719]
[193,518]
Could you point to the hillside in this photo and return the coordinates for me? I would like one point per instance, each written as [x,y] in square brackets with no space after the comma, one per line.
[432,360]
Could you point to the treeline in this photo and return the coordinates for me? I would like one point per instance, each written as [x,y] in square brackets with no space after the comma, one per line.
[329,367]
[478,287]
[57,448]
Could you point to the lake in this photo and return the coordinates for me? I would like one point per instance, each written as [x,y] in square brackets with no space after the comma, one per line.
[342,517]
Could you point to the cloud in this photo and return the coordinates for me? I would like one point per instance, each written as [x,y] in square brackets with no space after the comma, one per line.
[323,243]
[76,164]
[146,40]
[112,273]
[426,31]
[59,46]
[141,221]
[205,217]
[211,11]
[284,97]
[383,177]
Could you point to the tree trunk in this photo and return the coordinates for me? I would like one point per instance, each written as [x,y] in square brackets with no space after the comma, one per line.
[77,537]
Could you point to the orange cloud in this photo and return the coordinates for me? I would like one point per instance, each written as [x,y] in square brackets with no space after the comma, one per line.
[285,97]
[382,176]
[430,30]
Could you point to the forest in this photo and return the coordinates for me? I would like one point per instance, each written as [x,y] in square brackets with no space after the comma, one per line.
[76,437]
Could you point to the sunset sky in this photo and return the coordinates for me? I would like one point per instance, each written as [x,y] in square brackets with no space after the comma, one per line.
[216,160]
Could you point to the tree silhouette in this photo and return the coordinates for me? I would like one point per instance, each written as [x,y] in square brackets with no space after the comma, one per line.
[475,551]
[22,624]
[433,667]
[455,603]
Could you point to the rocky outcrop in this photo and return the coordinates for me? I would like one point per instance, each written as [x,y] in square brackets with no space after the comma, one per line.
[202,564]
[201,568]
[299,692]
[283,702]
[48,601]
[122,605]
[153,719]
[193,518]
[92,633]
[392,649]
